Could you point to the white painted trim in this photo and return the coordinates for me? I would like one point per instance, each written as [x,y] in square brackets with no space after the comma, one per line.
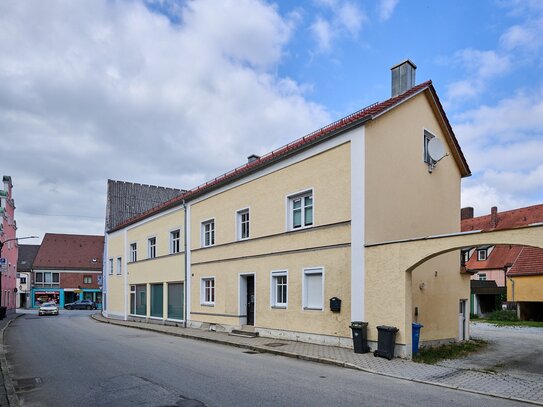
[237,223]
[126,289]
[202,291]
[240,299]
[188,273]
[119,262]
[151,218]
[149,246]
[170,240]
[277,273]
[129,258]
[288,208]
[308,271]
[202,233]
[358,220]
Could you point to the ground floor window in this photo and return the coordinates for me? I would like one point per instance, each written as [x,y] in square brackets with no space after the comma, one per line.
[157,300]
[138,299]
[176,299]
[313,289]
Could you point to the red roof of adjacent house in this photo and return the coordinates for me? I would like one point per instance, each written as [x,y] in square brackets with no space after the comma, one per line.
[70,252]
[500,256]
[529,262]
[524,260]
[505,220]
[358,118]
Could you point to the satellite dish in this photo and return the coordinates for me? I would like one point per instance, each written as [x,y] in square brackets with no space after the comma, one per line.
[436,150]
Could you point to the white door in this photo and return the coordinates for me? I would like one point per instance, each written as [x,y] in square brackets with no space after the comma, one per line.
[462,320]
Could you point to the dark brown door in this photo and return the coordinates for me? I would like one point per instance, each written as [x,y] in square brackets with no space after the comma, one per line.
[250,300]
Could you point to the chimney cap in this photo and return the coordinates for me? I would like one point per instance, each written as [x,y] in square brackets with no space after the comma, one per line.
[253,157]
[405,61]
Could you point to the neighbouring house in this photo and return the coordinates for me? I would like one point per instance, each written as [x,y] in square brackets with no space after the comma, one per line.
[272,245]
[67,268]
[27,254]
[8,234]
[501,269]
[124,201]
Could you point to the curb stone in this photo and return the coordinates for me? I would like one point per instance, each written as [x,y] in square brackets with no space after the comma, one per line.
[316,359]
[13,399]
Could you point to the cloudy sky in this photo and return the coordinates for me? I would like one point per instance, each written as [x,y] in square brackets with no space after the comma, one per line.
[174,93]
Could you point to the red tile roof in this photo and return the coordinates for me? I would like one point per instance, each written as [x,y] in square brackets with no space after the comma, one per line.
[497,259]
[70,252]
[355,119]
[506,220]
[529,262]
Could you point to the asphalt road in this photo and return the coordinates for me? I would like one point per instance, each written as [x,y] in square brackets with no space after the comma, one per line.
[71,360]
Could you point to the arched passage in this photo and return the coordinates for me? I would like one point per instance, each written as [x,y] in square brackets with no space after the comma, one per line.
[389,266]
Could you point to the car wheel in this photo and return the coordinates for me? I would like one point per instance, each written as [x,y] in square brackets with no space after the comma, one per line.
[68,307]
[88,307]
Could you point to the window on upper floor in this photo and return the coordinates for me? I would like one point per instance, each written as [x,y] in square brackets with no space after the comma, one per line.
[243,224]
[208,233]
[482,276]
[133,252]
[300,210]
[110,266]
[427,137]
[151,248]
[87,279]
[279,289]
[119,265]
[175,241]
[207,294]
[482,254]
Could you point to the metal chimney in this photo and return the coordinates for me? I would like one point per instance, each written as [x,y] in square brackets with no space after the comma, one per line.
[252,157]
[403,77]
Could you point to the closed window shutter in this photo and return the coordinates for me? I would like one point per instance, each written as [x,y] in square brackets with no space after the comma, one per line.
[313,285]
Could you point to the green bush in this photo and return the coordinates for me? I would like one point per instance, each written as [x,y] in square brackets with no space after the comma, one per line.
[473,316]
[503,315]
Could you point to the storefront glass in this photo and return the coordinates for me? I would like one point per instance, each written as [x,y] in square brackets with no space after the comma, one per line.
[41,297]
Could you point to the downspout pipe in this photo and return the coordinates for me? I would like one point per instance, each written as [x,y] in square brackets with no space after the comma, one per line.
[186,264]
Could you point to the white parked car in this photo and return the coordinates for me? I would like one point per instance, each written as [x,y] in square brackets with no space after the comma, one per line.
[48,308]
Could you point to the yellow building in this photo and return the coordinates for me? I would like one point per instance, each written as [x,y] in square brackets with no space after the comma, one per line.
[271,243]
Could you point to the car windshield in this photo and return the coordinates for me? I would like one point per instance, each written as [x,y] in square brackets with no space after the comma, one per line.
[49,304]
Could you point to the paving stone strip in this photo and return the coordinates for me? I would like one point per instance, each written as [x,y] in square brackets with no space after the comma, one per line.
[487,383]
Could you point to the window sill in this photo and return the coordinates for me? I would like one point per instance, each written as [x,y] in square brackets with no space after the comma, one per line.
[300,228]
[312,309]
[279,307]
[207,304]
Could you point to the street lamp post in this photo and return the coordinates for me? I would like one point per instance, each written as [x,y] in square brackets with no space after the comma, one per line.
[2,314]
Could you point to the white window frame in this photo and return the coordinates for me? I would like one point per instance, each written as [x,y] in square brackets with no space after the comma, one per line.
[482,254]
[110,266]
[133,247]
[290,199]
[312,271]
[203,294]
[274,282]
[119,266]
[87,277]
[481,276]
[427,136]
[239,223]
[175,243]
[151,248]
[211,232]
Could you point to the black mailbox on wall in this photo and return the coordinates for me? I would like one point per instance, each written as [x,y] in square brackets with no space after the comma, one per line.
[335,304]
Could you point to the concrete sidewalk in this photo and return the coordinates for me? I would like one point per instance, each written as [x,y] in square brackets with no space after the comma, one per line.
[487,383]
[8,397]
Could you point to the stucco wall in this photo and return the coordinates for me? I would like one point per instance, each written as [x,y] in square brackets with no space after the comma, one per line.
[115,282]
[406,201]
[527,288]
[271,247]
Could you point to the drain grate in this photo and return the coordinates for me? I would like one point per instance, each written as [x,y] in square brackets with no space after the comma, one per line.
[27,384]
[250,352]
[274,344]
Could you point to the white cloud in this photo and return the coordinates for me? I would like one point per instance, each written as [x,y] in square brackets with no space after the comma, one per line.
[482,197]
[386,9]
[101,89]
[345,20]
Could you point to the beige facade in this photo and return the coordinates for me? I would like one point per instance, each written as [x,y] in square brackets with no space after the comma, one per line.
[527,288]
[269,248]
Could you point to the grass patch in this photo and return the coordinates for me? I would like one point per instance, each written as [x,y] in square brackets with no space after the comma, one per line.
[449,351]
[503,315]
[533,324]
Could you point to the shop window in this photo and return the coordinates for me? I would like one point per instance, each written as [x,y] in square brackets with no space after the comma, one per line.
[176,298]
[157,300]
[138,299]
